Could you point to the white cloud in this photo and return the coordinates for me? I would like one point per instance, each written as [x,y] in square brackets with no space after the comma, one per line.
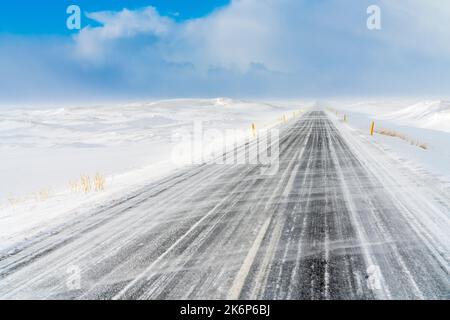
[116,26]
[235,37]
[280,34]
[252,47]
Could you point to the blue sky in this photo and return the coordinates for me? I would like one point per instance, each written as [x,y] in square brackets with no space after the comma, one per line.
[48,16]
[139,49]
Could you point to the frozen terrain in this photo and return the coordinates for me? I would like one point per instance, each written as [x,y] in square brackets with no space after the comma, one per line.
[43,150]
[426,122]
[346,216]
[49,147]
[339,218]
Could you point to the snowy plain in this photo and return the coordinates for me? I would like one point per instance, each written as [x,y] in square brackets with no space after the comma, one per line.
[425,122]
[131,145]
[43,150]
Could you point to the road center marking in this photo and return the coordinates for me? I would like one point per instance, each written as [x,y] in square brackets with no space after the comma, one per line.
[239,281]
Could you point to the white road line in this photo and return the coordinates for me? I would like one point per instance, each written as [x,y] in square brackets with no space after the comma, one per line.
[239,281]
[290,183]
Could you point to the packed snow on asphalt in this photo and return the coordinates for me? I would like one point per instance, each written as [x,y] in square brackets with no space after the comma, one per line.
[345,215]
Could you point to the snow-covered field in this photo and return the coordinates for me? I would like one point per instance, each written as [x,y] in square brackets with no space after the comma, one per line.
[43,150]
[426,122]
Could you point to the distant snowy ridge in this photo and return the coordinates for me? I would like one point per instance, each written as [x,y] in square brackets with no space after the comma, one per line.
[427,114]
[216,102]
[114,124]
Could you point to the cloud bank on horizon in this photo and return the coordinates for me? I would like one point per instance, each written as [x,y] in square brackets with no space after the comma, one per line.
[276,48]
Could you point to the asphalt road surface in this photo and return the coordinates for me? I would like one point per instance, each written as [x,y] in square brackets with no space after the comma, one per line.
[340,219]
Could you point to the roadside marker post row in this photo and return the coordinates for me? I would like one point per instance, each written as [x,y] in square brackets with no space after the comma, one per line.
[284,119]
[345,119]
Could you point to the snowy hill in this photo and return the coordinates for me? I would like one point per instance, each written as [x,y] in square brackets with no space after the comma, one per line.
[428,114]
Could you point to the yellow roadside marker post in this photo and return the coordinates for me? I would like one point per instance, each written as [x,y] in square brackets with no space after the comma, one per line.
[372,128]
[254,129]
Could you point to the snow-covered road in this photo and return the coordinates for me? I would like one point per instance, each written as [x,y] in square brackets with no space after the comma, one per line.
[339,220]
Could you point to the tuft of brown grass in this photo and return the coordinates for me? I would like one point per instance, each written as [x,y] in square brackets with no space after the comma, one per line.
[42,195]
[14,201]
[396,134]
[75,186]
[423,146]
[87,184]
[99,182]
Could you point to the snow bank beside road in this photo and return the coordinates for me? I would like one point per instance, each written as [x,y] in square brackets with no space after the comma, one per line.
[434,115]
[425,121]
